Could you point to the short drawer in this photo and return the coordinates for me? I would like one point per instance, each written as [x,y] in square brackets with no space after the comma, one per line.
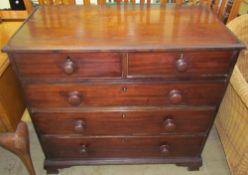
[124,123]
[179,64]
[70,66]
[76,95]
[120,147]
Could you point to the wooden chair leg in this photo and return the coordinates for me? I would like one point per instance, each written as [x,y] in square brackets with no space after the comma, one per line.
[18,143]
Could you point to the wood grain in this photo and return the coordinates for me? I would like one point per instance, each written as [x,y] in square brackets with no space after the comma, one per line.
[58,95]
[10,110]
[132,147]
[159,64]
[56,2]
[123,123]
[124,84]
[13,15]
[52,66]
[121,28]
[18,143]
[4,63]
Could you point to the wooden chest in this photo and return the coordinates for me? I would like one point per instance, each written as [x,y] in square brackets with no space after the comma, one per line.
[123,84]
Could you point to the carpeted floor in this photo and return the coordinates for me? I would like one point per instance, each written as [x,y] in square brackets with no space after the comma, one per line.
[213,157]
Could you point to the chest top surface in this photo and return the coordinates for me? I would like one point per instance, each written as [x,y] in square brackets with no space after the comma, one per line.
[116,28]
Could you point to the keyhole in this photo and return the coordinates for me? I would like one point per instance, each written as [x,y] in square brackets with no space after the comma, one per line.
[124,89]
[123,116]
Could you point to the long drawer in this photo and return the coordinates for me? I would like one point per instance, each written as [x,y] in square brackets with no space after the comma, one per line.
[68,66]
[120,147]
[69,95]
[124,123]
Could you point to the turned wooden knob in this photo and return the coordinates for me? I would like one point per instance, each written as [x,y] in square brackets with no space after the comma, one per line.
[169,124]
[181,64]
[175,96]
[83,149]
[164,149]
[69,66]
[74,98]
[79,126]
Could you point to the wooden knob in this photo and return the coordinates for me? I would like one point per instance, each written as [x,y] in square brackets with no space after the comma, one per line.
[181,64]
[164,149]
[69,66]
[83,149]
[169,124]
[175,96]
[74,98]
[79,126]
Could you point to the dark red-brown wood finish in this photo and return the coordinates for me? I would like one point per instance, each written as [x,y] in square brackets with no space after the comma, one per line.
[123,84]
[154,122]
[113,147]
[84,95]
[122,28]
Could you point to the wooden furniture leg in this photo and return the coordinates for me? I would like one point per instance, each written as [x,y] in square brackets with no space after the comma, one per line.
[18,143]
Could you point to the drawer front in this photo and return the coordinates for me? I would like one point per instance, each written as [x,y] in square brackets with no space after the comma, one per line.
[124,123]
[120,147]
[69,66]
[176,64]
[73,95]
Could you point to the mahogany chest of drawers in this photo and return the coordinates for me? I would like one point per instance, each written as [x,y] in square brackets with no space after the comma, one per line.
[123,84]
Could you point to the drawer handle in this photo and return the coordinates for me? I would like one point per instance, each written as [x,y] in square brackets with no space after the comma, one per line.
[181,64]
[164,149]
[74,98]
[79,126]
[83,149]
[69,66]
[169,124]
[175,96]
